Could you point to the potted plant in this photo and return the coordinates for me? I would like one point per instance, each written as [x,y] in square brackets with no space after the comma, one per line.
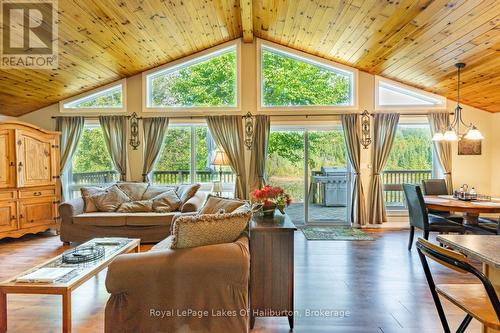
[271,197]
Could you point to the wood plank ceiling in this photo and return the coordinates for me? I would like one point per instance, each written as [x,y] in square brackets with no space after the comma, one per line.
[412,41]
[416,42]
[101,41]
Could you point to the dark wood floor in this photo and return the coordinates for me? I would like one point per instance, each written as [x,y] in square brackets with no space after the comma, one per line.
[378,284]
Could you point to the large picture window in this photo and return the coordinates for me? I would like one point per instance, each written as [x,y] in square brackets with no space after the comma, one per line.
[206,81]
[187,158]
[290,80]
[91,164]
[410,161]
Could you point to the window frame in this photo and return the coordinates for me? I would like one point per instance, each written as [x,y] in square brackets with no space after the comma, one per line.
[378,107]
[193,125]
[90,124]
[313,60]
[185,62]
[113,110]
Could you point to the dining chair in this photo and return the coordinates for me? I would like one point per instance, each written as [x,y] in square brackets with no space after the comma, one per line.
[490,225]
[479,301]
[421,219]
[438,187]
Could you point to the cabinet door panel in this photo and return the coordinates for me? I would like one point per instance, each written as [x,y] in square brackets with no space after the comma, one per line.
[35,159]
[7,159]
[34,212]
[8,216]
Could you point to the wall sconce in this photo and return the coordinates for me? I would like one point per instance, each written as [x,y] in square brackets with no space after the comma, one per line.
[248,130]
[134,131]
[365,130]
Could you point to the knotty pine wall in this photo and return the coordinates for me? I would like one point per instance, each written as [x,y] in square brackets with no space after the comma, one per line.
[480,171]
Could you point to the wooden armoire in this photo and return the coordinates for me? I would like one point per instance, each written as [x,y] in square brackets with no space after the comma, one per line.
[29,179]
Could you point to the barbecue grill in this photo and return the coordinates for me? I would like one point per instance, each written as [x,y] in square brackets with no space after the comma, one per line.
[332,184]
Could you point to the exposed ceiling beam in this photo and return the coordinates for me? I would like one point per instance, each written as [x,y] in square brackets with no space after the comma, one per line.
[246,20]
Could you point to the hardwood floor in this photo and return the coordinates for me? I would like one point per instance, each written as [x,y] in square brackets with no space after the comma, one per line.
[379,286]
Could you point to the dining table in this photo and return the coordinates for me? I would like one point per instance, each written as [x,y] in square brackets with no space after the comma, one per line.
[470,209]
[482,248]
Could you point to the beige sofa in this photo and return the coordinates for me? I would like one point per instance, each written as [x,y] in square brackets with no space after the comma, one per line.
[78,226]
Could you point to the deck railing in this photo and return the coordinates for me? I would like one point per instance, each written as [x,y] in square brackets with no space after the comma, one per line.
[93,178]
[184,176]
[392,180]
[159,177]
[393,184]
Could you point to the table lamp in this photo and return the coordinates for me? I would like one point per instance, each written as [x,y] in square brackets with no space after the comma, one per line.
[220,159]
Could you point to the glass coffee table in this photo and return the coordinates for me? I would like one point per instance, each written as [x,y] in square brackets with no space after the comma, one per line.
[77,275]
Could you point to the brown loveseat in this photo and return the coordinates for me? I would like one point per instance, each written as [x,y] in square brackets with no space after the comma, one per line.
[201,289]
[151,227]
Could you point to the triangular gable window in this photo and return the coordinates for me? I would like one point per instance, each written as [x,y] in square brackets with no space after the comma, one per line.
[290,80]
[205,81]
[109,98]
[392,94]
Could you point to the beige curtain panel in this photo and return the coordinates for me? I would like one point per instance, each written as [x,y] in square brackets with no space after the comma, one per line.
[227,132]
[71,129]
[257,178]
[352,134]
[154,133]
[114,129]
[384,132]
[437,122]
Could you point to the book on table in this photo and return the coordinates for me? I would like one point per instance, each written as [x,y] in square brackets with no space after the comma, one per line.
[45,275]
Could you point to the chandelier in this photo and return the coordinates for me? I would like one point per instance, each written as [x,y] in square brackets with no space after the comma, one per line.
[452,133]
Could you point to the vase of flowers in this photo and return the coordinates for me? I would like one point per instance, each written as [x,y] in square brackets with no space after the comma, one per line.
[271,197]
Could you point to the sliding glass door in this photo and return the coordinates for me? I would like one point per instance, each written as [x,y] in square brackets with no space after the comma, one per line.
[310,163]
[328,176]
[286,167]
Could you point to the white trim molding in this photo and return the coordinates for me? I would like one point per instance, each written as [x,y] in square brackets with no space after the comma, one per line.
[412,92]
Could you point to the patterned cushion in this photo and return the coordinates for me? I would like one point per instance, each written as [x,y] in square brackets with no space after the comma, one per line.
[136,206]
[154,190]
[166,202]
[135,191]
[87,192]
[110,199]
[208,229]
[186,192]
[215,204]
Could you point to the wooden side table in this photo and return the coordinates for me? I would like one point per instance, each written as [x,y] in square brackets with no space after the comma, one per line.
[271,267]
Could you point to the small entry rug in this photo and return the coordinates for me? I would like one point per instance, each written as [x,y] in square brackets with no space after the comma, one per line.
[335,233]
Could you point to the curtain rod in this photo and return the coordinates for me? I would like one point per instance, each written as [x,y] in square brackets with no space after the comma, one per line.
[271,115]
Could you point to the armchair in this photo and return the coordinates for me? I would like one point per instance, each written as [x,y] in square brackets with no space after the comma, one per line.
[201,289]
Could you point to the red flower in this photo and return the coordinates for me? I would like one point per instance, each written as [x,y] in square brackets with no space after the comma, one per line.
[269,195]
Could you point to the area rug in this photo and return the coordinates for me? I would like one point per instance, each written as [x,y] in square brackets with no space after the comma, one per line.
[335,233]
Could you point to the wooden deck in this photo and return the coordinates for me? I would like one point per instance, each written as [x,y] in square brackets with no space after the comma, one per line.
[379,284]
[317,213]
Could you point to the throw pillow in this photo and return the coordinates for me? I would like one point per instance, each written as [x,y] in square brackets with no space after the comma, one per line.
[136,206]
[153,190]
[110,199]
[134,191]
[166,202]
[214,204]
[208,229]
[187,191]
[87,192]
